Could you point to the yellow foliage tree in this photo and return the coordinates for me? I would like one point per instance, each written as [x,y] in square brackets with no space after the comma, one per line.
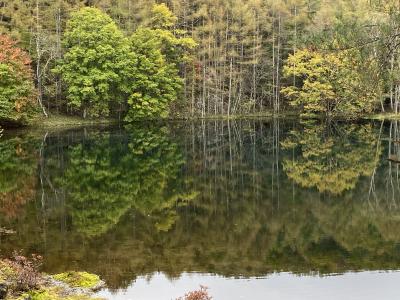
[331,83]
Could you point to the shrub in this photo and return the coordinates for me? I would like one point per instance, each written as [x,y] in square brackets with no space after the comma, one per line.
[201,294]
[79,279]
[25,271]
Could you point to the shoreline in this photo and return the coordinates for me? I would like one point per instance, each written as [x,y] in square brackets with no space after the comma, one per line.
[65,121]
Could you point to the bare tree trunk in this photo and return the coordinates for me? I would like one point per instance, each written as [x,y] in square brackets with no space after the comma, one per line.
[58,55]
[273,65]
[391,83]
[278,65]
[38,59]
[230,86]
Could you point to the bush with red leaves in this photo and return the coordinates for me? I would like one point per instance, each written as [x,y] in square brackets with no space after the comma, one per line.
[201,294]
[26,275]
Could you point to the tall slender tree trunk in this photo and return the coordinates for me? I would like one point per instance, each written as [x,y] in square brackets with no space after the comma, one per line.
[230,86]
[38,60]
[278,66]
[273,65]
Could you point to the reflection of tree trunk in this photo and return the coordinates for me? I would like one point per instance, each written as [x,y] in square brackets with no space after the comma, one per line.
[391,82]
[275,161]
[394,153]
[41,177]
[230,146]
[372,188]
[396,149]
[41,172]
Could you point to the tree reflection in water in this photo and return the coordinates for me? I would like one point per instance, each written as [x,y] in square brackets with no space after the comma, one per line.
[235,198]
[332,157]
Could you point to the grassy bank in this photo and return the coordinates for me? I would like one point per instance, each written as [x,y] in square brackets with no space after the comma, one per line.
[69,121]
[384,116]
[65,121]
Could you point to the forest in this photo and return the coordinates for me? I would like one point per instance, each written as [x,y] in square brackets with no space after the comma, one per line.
[130,60]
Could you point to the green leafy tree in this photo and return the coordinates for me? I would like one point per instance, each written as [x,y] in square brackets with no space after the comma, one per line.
[17,92]
[154,75]
[155,82]
[162,17]
[96,51]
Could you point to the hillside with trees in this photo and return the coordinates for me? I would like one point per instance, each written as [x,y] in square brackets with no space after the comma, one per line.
[144,59]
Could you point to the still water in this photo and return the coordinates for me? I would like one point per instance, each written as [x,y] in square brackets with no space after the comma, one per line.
[253,209]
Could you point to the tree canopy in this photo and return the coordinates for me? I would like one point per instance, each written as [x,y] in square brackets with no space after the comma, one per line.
[96,52]
[331,83]
[108,73]
[155,81]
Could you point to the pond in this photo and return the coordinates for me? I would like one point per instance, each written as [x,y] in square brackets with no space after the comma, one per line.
[253,209]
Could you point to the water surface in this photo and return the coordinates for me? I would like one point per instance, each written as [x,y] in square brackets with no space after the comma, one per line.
[264,207]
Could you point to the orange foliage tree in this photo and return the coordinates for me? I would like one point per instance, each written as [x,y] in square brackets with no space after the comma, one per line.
[17,90]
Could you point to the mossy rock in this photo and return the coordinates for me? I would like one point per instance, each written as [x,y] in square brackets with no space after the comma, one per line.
[6,271]
[79,279]
[52,294]
[43,294]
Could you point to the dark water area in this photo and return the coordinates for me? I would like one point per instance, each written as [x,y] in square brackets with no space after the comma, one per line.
[254,209]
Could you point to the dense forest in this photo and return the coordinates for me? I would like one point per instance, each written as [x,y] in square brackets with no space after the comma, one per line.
[143,59]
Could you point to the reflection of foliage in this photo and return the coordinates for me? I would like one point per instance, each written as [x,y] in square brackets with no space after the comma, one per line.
[108,174]
[331,163]
[17,175]
[157,161]
[94,188]
[247,221]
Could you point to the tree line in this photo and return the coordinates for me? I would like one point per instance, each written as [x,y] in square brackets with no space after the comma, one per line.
[216,57]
